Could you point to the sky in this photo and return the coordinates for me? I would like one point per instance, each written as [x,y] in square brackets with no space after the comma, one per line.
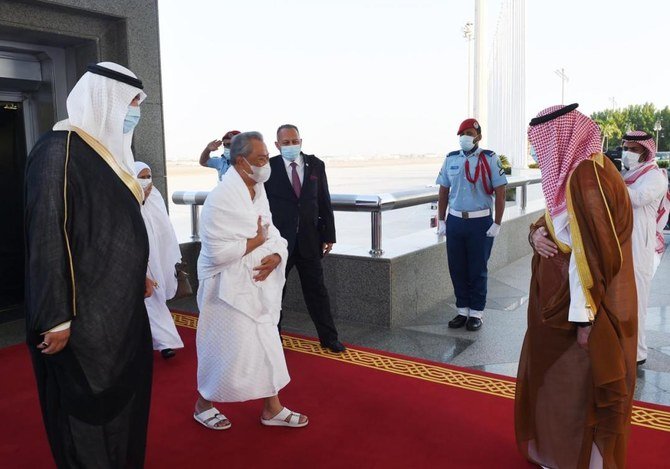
[372,78]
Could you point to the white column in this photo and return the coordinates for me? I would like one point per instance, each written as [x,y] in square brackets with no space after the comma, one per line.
[479,107]
[506,127]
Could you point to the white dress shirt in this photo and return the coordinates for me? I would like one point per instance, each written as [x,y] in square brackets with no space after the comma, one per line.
[300,169]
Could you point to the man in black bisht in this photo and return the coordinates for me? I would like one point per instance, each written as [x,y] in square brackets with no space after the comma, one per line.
[87,249]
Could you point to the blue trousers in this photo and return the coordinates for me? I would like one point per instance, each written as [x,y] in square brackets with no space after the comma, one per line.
[468,252]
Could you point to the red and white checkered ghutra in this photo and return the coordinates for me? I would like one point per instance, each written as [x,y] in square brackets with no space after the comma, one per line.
[561,144]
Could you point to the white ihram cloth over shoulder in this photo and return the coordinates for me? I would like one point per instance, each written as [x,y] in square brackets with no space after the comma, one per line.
[240,355]
[164,253]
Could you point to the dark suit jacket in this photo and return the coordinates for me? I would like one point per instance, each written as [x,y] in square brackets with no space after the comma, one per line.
[309,220]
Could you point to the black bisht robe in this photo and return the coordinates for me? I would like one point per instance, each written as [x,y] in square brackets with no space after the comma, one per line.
[87,252]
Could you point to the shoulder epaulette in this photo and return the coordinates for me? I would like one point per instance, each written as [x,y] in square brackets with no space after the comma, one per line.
[453,153]
[488,152]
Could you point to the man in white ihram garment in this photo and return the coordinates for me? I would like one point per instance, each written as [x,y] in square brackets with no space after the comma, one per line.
[164,253]
[241,273]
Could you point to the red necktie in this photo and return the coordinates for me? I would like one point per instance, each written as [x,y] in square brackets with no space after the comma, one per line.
[295,180]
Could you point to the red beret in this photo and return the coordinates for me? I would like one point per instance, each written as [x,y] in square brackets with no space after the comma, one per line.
[469,124]
[230,134]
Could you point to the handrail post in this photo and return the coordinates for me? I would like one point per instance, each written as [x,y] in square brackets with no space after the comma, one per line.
[376,232]
[524,197]
[195,223]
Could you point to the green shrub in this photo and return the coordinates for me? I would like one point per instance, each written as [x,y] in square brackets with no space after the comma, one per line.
[663,164]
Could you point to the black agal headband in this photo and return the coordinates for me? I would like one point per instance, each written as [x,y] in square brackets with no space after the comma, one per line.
[553,115]
[114,75]
[637,138]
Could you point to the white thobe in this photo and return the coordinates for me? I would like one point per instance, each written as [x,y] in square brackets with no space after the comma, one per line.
[646,194]
[240,355]
[164,253]
[578,311]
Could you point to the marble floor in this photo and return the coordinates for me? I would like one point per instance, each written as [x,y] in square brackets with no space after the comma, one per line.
[495,348]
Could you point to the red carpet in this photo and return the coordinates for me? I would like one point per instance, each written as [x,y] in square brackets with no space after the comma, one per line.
[367,409]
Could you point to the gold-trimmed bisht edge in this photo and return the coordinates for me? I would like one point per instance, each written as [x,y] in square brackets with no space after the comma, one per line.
[127,178]
[67,239]
[565,249]
[585,277]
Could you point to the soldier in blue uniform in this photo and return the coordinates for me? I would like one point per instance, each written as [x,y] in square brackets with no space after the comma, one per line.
[468,181]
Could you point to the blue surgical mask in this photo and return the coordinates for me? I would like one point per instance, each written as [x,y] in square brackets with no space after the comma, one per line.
[467,142]
[534,155]
[226,153]
[132,118]
[290,152]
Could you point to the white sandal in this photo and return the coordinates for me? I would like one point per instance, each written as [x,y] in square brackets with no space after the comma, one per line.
[280,420]
[210,417]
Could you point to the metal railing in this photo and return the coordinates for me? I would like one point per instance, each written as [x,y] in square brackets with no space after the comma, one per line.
[373,203]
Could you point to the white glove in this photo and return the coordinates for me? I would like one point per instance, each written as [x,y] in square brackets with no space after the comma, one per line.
[441,228]
[493,231]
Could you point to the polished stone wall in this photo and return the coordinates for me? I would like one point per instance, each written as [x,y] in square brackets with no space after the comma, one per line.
[123,31]
[409,280]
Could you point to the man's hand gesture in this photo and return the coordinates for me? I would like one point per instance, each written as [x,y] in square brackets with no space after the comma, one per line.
[268,264]
[214,145]
[542,244]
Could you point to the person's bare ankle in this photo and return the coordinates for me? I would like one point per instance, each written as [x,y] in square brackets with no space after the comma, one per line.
[202,405]
[270,411]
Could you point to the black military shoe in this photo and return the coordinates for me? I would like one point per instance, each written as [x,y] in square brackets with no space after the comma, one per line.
[641,362]
[473,324]
[334,346]
[458,321]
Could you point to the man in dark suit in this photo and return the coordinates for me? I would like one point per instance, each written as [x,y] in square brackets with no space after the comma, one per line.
[301,211]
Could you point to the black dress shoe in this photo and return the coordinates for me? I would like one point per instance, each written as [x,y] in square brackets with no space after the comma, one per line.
[335,346]
[473,324]
[641,362]
[458,321]
[168,353]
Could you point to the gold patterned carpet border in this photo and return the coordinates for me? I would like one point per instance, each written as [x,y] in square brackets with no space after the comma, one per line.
[642,416]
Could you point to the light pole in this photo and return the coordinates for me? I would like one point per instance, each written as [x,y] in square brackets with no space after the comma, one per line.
[468,34]
[657,128]
[564,78]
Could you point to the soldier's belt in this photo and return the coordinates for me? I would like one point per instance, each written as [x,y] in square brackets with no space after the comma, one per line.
[466,215]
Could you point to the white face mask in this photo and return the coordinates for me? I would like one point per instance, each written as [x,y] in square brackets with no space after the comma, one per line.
[259,173]
[630,159]
[467,142]
[145,183]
